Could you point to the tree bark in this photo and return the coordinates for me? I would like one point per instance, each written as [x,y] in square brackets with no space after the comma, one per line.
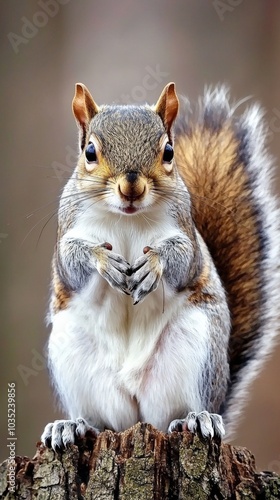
[141,463]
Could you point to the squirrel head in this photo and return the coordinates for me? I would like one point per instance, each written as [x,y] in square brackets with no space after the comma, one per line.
[126,150]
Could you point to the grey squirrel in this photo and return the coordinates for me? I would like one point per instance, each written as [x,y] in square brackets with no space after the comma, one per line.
[165,281]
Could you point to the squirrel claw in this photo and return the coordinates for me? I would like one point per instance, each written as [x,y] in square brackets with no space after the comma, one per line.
[144,276]
[62,433]
[111,266]
[209,425]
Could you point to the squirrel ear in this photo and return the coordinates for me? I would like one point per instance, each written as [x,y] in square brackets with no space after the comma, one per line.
[84,109]
[167,106]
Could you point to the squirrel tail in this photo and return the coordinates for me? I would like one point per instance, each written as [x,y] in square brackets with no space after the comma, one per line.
[223,161]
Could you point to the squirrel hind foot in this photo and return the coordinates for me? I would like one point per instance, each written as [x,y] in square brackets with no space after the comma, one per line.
[209,425]
[62,433]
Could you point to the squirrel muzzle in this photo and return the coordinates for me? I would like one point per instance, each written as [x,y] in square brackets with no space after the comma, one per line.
[131,186]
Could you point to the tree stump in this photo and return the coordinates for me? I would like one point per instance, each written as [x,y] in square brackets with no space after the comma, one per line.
[141,463]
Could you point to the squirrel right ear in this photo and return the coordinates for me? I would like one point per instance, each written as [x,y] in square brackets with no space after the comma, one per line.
[167,106]
[84,109]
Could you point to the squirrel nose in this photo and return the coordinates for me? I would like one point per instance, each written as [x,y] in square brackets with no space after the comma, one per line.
[131,176]
[132,186]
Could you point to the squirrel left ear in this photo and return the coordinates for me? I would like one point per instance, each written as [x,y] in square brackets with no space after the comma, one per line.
[84,109]
[167,106]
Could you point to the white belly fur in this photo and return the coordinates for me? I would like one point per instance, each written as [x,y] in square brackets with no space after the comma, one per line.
[115,363]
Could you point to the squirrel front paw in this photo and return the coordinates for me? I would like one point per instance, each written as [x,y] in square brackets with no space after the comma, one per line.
[144,275]
[62,433]
[111,266]
[208,424]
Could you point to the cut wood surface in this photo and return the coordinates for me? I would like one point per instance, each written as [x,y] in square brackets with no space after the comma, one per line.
[141,463]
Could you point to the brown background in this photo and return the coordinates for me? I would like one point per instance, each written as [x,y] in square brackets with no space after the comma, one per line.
[111,46]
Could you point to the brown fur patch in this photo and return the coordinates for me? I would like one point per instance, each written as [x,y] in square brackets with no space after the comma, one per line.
[61,295]
[199,288]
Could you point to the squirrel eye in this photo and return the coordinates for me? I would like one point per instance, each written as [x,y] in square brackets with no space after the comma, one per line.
[168,153]
[91,153]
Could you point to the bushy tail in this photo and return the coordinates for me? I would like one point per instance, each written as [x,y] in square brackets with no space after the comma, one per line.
[224,163]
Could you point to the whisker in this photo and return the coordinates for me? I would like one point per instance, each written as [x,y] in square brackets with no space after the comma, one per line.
[35,225]
[41,232]
[119,219]
[61,209]
[146,219]
[60,198]
[100,196]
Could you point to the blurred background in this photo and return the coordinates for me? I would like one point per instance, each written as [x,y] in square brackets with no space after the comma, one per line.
[124,51]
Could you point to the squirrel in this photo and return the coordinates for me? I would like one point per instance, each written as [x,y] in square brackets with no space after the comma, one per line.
[165,283]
